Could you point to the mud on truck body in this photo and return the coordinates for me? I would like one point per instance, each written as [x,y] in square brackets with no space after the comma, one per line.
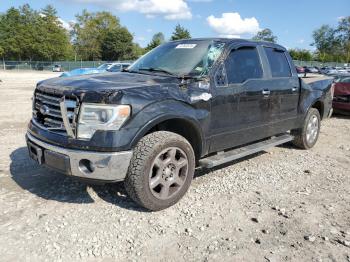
[186,104]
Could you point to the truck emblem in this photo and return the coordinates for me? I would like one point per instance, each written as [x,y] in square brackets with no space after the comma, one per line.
[44,110]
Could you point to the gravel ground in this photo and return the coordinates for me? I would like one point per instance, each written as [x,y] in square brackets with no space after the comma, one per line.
[281,205]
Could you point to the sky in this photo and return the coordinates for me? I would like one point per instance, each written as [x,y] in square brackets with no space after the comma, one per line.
[291,21]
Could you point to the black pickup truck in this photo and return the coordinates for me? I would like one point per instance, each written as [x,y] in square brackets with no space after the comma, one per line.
[186,104]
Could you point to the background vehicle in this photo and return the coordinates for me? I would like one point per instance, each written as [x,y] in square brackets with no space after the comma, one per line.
[301,71]
[57,68]
[312,70]
[199,102]
[341,101]
[88,71]
[331,71]
[342,71]
[118,67]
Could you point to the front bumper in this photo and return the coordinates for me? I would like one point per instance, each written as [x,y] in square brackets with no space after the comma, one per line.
[100,166]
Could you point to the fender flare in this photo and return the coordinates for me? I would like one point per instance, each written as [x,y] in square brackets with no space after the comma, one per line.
[162,118]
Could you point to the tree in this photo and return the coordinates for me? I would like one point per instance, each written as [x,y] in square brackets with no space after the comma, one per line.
[56,38]
[325,42]
[117,45]
[100,36]
[157,40]
[11,33]
[29,34]
[343,36]
[137,51]
[300,54]
[180,33]
[265,35]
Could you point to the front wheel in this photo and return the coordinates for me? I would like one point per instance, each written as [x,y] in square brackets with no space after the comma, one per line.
[307,136]
[161,170]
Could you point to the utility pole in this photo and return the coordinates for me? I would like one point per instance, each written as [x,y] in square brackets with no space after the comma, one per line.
[3,63]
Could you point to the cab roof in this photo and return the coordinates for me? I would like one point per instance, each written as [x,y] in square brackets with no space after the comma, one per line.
[235,40]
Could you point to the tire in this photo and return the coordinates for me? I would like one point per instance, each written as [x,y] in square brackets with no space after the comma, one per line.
[307,136]
[161,170]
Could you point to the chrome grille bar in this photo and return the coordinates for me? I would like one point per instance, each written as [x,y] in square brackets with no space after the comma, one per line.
[65,117]
[51,114]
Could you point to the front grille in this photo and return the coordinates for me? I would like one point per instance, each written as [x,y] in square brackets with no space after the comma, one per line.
[47,111]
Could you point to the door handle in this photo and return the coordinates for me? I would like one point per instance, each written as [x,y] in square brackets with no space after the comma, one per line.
[294,89]
[266,92]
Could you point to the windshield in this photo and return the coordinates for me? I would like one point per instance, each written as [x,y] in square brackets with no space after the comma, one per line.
[185,58]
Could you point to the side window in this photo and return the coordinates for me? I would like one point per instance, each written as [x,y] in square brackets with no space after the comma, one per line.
[243,64]
[278,63]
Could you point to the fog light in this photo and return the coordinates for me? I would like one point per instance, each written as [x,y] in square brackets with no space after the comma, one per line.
[86,166]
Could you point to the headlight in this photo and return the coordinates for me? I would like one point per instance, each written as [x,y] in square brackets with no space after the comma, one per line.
[95,117]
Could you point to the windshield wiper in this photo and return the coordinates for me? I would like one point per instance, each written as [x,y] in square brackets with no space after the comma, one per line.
[152,69]
[196,78]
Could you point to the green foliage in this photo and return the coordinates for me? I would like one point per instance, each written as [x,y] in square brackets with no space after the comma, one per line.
[100,36]
[180,33]
[265,35]
[157,40]
[333,44]
[29,34]
[137,51]
[117,45]
[343,36]
[300,54]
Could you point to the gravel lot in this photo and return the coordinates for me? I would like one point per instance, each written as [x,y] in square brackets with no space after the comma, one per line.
[281,205]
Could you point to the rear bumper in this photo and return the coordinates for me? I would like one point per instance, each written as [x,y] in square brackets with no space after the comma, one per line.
[100,166]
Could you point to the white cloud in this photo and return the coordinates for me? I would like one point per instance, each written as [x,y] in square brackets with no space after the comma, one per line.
[170,10]
[232,25]
[301,41]
[65,24]
[230,36]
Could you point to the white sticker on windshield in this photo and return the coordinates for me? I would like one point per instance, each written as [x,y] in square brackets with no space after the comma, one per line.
[186,46]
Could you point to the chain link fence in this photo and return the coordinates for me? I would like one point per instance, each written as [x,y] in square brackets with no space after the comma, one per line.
[318,64]
[48,66]
[70,65]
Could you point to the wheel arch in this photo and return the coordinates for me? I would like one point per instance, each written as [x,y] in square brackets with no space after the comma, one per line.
[319,105]
[184,126]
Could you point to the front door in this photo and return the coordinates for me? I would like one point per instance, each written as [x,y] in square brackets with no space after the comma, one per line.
[239,109]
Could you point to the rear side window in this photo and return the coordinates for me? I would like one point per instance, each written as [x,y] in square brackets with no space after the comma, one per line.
[243,64]
[278,63]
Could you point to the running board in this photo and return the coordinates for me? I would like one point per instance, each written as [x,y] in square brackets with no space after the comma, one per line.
[228,156]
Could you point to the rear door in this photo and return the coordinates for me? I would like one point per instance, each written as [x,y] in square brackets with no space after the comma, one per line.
[284,89]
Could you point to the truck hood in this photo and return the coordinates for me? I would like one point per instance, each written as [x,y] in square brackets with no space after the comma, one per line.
[103,82]
[134,89]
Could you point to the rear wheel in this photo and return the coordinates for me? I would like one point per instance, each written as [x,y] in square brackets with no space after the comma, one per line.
[161,170]
[307,136]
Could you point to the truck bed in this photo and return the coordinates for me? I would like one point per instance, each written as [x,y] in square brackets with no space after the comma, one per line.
[310,78]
